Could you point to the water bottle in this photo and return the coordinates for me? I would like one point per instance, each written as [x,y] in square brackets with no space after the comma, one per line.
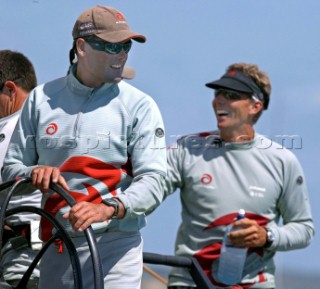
[232,259]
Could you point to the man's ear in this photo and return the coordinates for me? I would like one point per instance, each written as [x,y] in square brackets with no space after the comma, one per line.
[80,46]
[257,106]
[10,88]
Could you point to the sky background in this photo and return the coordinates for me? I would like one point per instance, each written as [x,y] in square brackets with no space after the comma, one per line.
[191,42]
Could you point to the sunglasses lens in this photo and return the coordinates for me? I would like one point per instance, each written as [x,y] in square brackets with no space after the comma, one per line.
[116,48]
[127,46]
[228,94]
[233,95]
[111,48]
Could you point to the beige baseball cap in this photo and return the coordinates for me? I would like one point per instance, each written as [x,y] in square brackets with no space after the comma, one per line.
[106,23]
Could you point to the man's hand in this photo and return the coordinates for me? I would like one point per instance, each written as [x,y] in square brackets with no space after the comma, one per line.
[43,175]
[251,234]
[83,214]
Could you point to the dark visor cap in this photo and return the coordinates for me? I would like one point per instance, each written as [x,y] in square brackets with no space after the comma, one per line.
[238,81]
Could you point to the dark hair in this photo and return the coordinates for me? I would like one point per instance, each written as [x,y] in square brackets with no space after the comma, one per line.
[18,68]
[72,52]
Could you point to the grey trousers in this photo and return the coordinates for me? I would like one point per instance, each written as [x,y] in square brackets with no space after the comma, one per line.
[121,256]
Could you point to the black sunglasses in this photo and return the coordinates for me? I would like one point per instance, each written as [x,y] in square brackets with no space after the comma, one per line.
[110,48]
[229,94]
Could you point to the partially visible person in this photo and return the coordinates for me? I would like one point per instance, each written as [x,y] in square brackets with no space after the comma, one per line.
[102,140]
[221,171]
[20,239]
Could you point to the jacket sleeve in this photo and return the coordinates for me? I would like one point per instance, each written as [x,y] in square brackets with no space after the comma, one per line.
[294,205]
[147,153]
[22,156]
[174,178]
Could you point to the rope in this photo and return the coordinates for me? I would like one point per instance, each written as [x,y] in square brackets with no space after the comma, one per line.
[155,275]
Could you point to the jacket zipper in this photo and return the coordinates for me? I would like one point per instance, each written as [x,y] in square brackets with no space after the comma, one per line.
[80,113]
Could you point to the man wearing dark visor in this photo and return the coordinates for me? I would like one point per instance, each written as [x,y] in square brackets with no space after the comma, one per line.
[232,168]
[102,140]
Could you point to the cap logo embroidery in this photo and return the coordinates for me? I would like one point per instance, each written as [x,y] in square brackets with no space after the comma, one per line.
[86,28]
[232,72]
[52,128]
[86,25]
[121,18]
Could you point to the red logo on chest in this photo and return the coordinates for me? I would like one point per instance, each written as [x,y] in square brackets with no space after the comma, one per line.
[206,179]
[52,128]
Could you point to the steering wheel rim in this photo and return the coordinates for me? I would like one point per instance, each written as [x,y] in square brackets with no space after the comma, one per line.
[89,234]
[60,234]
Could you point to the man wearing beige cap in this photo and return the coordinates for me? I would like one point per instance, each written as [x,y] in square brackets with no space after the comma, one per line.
[103,141]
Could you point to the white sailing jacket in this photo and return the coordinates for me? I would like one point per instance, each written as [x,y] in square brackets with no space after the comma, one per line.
[216,179]
[7,125]
[108,141]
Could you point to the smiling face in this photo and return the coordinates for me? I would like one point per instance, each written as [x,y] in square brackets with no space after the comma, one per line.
[235,116]
[97,67]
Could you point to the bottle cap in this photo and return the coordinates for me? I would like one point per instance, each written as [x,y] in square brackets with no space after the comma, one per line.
[241,214]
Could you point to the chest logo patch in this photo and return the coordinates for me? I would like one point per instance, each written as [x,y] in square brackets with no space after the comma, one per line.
[257,191]
[159,132]
[300,180]
[2,137]
[206,179]
[52,128]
